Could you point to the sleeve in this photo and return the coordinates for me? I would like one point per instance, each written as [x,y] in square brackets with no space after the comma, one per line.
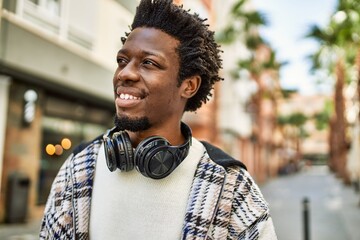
[242,213]
[57,222]
[261,229]
[250,215]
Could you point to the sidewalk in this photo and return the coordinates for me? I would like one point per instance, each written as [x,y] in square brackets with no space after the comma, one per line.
[334,207]
[23,231]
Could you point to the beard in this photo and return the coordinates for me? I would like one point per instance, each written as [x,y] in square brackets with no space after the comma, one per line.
[134,125]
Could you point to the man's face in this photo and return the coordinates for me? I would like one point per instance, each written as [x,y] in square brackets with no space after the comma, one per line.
[145,81]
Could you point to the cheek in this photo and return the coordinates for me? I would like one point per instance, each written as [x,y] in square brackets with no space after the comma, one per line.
[165,96]
[173,97]
[115,75]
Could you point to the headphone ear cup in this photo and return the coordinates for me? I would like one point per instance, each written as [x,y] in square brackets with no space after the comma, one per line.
[110,154]
[118,150]
[153,158]
[124,151]
[160,163]
[145,146]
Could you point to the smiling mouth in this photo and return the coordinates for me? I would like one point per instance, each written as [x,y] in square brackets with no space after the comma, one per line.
[129,93]
[126,96]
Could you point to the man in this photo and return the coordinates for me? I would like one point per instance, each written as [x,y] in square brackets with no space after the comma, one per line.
[183,188]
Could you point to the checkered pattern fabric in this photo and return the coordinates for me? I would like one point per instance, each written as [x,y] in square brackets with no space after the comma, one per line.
[223,203]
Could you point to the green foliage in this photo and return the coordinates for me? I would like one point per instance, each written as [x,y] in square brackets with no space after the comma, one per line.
[238,6]
[247,64]
[282,120]
[323,36]
[241,24]
[256,67]
[253,41]
[227,35]
[322,118]
[339,39]
[272,63]
[296,119]
[286,93]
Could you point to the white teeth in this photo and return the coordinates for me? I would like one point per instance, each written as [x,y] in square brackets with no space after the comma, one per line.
[126,96]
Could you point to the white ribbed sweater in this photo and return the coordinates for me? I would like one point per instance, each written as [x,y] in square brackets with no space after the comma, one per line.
[127,205]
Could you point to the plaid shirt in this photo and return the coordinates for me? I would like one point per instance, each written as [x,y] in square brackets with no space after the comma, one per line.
[223,203]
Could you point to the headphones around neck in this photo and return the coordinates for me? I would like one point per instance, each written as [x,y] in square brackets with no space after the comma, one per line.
[154,157]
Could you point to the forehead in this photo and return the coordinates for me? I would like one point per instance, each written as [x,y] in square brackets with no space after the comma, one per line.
[151,39]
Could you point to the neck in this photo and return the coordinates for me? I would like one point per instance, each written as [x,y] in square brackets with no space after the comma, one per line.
[172,134]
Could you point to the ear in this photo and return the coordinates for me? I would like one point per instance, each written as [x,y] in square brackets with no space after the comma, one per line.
[190,86]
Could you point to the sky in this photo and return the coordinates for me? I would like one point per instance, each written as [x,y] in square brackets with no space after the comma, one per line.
[288,23]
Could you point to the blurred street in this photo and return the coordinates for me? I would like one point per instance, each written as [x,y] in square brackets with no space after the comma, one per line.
[334,210]
[334,207]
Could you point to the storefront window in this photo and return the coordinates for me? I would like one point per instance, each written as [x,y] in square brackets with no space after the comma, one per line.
[59,137]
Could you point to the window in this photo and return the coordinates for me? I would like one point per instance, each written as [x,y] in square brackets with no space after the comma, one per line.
[52,6]
[57,17]
[54,131]
[49,7]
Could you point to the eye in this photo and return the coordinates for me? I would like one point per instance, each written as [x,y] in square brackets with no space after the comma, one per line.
[121,60]
[150,62]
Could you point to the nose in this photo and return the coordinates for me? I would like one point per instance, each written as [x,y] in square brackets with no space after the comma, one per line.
[128,73]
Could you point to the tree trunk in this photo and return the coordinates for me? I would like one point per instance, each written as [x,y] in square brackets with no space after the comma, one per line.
[358,78]
[258,104]
[332,144]
[340,149]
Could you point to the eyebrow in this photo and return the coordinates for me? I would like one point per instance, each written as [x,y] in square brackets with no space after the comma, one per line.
[143,52]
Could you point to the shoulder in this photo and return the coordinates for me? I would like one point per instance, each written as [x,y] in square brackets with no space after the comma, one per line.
[242,210]
[82,159]
[248,203]
[220,157]
[88,146]
[247,189]
[249,206]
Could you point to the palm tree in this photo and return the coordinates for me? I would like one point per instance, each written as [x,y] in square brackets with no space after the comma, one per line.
[339,41]
[293,130]
[244,25]
[244,22]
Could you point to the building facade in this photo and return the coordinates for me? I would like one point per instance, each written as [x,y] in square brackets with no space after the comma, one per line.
[56,68]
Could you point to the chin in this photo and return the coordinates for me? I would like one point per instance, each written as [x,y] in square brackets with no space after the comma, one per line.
[132,124]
